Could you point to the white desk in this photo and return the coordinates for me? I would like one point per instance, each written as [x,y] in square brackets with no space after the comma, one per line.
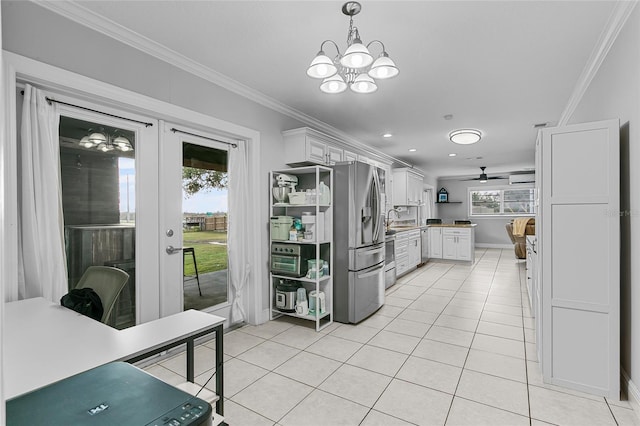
[45,342]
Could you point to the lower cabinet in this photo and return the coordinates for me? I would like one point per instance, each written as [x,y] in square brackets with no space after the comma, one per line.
[435,243]
[457,244]
[452,243]
[407,251]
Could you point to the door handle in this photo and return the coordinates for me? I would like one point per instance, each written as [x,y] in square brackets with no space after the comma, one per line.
[173,250]
[370,273]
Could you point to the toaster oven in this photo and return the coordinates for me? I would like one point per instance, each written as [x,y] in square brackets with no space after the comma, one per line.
[291,259]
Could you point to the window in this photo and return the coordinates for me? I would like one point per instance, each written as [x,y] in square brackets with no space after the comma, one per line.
[501,202]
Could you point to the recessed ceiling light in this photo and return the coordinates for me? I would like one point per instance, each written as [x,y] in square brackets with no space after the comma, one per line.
[412,150]
[465,136]
[387,135]
[452,154]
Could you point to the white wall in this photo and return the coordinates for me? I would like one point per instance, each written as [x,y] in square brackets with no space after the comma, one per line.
[490,230]
[615,93]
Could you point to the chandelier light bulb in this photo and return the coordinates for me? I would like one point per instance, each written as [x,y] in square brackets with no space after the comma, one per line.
[333,84]
[85,142]
[357,56]
[97,138]
[383,67]
[364,84]
[321,66]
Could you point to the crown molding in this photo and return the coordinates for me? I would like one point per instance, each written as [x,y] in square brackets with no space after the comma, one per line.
[616,21]
[86,17]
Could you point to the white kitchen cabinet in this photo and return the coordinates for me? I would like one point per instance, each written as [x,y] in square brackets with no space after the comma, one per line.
[435,243]
[407,251]
[579,256]
[349,156]
[407,187]
[458,244]
[305,145]
[414,248]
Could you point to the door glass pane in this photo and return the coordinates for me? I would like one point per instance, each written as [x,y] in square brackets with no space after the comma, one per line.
[204,214]
[98,200]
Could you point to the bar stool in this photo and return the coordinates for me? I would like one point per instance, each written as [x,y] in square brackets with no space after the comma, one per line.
[186,250]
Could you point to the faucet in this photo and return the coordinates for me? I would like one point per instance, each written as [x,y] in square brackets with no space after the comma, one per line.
[389,222]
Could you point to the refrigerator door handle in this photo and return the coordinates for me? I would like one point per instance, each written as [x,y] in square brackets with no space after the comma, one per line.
[369,252]
[376,184]
[372,272]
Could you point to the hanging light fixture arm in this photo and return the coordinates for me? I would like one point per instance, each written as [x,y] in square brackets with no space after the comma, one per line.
[332,42]
[381,44]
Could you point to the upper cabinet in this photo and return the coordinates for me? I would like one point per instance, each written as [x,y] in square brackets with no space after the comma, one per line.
[305,145]
[407,187]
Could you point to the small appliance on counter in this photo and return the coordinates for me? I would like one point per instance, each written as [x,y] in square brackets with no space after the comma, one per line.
[286,184]
[280,226]
[291,259]
[434,221]
[302,304]
[286,294]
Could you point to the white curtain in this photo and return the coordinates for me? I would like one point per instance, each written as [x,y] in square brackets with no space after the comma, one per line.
[41,255]
[238,236]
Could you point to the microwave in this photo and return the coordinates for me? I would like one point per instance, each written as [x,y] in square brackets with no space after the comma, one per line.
[291,259]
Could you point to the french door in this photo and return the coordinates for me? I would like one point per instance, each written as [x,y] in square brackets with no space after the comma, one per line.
[109,169]
[193,220]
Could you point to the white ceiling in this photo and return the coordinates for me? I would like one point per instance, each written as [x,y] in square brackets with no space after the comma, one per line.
[498,66]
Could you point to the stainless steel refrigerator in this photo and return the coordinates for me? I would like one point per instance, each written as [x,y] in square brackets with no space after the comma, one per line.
[359,232]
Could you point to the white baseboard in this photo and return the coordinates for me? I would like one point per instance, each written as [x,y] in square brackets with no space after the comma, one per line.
[497,246]
[632,392]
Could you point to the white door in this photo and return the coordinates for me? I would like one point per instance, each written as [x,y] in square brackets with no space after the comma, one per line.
[193,218]
[464,247]
[449,247]
[109,169]
[435,243]
[581,257]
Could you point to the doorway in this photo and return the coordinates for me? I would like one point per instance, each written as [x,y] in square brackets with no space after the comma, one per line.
[205,174]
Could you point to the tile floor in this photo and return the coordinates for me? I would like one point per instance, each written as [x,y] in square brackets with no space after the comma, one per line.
[453,345]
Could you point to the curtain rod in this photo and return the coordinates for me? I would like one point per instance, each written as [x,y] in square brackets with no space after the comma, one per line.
[174,130]
[50,100]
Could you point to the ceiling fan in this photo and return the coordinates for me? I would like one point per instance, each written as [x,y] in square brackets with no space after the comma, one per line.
[483,176]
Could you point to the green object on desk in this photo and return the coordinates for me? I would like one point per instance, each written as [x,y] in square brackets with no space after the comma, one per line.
[112,394]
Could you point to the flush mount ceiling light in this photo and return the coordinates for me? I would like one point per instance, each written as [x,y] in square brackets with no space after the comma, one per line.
[412,150]
[105,142]
[387,135]
[465,136]
[355,69]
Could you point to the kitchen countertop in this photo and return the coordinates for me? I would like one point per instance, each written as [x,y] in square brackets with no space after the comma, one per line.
[442,225]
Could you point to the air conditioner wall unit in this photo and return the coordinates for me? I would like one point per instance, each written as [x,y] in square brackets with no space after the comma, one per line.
[525,178]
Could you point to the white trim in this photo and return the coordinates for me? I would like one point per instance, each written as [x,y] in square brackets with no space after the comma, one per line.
[90,19]
[496,246]
[91,90]
[632,392]
[616,21]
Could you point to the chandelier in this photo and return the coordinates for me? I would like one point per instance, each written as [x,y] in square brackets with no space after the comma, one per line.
[105,142]
[355,69]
